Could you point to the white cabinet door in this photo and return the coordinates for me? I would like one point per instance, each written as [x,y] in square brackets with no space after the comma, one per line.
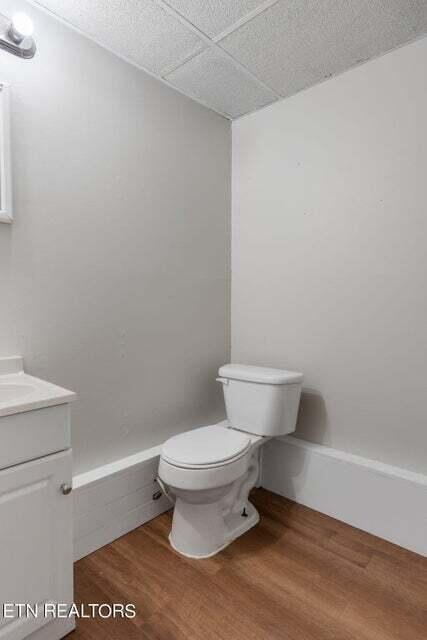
[36,560]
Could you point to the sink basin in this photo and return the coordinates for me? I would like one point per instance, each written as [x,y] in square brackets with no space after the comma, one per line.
[34,417]
[12,392]
[20,392]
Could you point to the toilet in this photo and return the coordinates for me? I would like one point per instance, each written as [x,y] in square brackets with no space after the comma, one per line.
[208,472]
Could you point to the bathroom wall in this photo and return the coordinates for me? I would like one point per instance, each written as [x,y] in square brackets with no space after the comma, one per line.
[114,275]
[330,254]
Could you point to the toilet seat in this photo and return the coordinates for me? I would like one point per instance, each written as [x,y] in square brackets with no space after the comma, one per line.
[205,447]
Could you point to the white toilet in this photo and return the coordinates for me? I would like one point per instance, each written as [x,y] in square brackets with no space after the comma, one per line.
[210,471]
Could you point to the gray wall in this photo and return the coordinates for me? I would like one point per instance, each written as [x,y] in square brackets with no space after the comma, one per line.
[114,275]
[330,254]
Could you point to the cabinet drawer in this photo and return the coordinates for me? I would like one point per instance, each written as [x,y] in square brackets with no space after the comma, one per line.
[34,434]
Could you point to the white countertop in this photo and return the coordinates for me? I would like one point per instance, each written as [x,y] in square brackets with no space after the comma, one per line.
[20,392]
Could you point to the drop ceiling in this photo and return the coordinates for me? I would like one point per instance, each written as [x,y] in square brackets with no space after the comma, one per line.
[236,56]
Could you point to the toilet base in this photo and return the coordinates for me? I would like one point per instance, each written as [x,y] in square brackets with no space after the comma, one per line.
[210,531]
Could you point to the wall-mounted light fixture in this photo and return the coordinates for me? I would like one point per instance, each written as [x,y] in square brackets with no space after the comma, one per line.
[16,35]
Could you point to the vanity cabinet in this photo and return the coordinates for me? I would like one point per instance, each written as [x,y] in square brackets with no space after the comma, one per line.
[36,514]
[36,554]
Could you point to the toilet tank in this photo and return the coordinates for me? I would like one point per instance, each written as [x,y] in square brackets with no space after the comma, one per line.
[260,400]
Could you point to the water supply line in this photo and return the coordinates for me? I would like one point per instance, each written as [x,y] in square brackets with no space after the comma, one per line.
[164,490]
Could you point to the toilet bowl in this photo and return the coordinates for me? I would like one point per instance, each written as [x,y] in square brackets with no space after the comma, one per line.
[209,471]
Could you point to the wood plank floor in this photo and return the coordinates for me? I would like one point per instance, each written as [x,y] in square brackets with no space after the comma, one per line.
[298,575]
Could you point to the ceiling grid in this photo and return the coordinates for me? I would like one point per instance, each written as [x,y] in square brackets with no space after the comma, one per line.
[237,56]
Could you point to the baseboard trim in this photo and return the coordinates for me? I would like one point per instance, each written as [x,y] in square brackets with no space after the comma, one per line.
[381,499]
[386,501]
[115,498]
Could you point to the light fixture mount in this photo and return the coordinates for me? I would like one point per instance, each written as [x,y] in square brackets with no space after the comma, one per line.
[16,35]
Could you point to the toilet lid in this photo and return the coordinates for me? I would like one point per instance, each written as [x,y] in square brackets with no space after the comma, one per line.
[205,446]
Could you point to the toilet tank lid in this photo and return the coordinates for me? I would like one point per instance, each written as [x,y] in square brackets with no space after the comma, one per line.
[263,375]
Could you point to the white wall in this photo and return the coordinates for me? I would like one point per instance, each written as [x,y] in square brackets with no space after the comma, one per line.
[330,254]
[114,275]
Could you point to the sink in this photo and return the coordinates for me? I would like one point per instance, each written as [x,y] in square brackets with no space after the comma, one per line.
[34,416]
[12,392]
[20,392]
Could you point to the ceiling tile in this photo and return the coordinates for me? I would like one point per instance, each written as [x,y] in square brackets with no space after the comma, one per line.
[216,80]
[295,44]
[137,29]
[214,16]
[288,46]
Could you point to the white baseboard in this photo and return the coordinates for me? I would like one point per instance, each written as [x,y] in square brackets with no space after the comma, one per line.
[386,501]
[113,499]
